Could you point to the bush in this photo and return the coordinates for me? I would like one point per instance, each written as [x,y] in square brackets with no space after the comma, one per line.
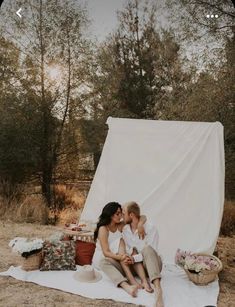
[228,220]
[33,210]
[68,216]
[66,197]
[10,197]
[67,204]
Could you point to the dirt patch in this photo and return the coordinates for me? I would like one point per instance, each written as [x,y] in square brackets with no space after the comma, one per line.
[17,293]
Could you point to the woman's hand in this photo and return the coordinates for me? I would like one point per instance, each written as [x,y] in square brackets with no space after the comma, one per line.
[126,259]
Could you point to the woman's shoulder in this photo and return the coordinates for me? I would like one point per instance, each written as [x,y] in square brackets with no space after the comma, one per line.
[103,230]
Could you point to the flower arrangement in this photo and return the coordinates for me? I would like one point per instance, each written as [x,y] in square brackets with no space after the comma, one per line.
[26,247]
[200,263]
[180,257]
[195,263]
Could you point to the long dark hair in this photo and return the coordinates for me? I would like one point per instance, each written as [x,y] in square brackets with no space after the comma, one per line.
[105,218]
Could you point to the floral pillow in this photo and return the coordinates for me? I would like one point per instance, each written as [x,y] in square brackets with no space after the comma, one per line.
[58,256]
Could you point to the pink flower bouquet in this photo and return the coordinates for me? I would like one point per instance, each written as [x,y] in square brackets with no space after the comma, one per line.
[195,263]
[180,257]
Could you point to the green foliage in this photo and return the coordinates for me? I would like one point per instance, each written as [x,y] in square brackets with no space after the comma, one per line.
[138,72]
[93,133]
[18,155]
[18,151]
[210,98]
[137,66]
[47,71]
[191,20]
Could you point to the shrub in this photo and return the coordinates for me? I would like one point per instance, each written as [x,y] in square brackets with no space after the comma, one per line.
[10,197]
[68,216]
[67,197]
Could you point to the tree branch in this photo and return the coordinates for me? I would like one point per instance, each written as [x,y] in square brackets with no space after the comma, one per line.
[214,6]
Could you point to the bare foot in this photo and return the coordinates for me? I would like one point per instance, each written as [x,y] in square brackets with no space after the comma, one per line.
[133,282]
[147,287]
[131,289]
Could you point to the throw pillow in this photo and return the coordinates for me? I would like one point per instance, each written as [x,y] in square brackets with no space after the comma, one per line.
[84,252]
[58,256]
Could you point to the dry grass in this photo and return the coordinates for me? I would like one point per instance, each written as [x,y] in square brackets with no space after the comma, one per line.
[228,221]
[68,197]
[10,191]
[68,216]
[68,203]
[10,197]
[33,210]
[226,252]
[8,209]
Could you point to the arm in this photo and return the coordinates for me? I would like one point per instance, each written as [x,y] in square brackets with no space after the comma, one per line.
[103,238]
[140,227]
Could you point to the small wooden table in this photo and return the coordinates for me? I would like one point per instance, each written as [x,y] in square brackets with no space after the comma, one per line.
[83,235]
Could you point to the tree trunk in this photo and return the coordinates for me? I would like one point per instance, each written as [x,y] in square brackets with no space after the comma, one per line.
[47,168]
[46,184]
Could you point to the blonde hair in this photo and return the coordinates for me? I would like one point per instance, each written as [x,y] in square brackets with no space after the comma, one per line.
[133,207]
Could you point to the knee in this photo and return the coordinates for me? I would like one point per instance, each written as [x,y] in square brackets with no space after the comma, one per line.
[148,250]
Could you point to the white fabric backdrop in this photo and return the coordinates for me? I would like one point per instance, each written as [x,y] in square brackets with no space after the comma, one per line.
[174,170]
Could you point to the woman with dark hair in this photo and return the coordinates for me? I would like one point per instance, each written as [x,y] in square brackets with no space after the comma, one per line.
[110,254]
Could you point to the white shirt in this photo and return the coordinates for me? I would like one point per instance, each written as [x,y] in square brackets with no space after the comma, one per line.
[132,239]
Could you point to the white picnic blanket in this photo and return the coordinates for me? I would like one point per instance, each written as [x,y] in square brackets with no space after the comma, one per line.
[178,291]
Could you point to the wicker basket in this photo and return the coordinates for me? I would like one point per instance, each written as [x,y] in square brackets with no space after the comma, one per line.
[32,262]
[205,276]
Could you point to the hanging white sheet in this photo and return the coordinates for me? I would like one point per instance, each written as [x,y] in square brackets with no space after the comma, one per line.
[174,170]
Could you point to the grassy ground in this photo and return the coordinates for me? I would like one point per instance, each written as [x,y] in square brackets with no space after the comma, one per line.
[18,293]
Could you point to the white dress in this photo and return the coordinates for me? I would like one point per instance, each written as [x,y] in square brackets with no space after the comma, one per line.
[113,240]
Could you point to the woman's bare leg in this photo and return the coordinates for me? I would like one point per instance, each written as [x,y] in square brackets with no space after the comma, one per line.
[139,268]
[126,268]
